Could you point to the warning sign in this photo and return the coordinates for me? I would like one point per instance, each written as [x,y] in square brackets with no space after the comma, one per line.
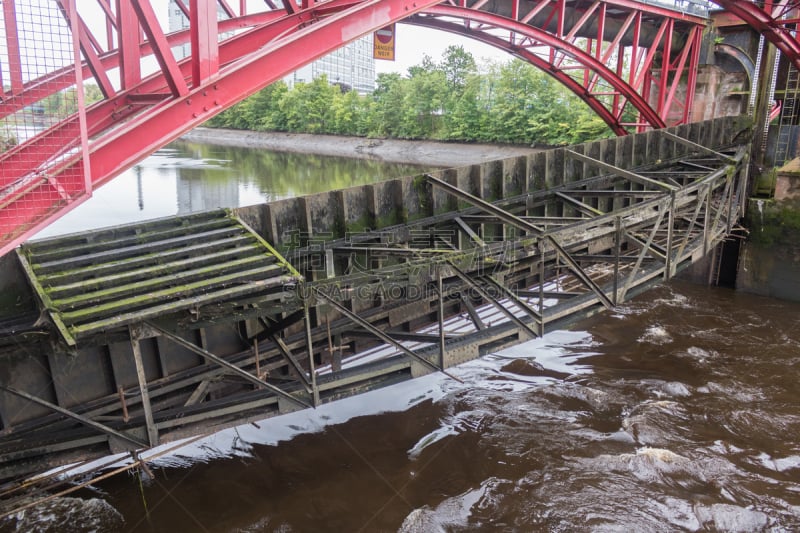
[383,43]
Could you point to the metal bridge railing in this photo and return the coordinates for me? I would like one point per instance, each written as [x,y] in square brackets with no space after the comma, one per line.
[693,7]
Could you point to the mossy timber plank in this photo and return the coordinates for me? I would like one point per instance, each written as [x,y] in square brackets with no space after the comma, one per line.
[41,294]
[254,275]
[132,251]
[281,260]
[186,303]
[43,245]
[130,240]
[96,284]
[91,271]
[141,287]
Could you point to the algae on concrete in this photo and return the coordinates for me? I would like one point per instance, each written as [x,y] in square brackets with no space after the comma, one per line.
[774,223]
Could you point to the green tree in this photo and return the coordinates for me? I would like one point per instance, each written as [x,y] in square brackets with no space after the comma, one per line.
[458,65]
[264,110]
[467,118]
[423,105]
[349,111]
[308,107]
[510,102]
[389,97]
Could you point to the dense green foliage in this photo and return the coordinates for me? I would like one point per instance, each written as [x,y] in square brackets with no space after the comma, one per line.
[512,102]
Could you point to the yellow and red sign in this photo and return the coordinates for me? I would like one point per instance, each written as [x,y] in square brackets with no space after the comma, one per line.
[383,43]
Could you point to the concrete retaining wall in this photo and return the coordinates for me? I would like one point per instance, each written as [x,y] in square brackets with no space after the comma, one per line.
[291,222]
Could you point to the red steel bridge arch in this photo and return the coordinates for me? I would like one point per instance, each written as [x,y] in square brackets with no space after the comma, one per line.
[777,21]
[582,43]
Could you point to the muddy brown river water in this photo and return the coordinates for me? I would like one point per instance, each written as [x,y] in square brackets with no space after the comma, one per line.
[678,412]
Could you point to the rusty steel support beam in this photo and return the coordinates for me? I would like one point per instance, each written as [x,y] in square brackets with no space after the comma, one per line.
[440,317]
[466,229]
[472,312]
[627,174]
[310,350]
[294,364]
[536,315]
[492,300]
[380,334]
[150,426]
[524,225]
[697,147]
[75,416]
[670,236]
[647,246]
[225,364]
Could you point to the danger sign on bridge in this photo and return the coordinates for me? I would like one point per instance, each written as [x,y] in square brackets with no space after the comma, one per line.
[383,43]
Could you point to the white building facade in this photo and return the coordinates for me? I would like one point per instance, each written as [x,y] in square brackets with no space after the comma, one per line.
[351,66]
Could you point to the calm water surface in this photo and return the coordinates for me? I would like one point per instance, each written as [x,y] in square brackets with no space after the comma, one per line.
[187,177]
[678,412]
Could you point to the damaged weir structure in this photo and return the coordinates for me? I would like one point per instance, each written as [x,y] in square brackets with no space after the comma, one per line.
[124,338]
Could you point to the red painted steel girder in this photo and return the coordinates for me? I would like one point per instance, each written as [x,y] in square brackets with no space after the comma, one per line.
[49,83]
[163,106]
[568,81]
[142,135]
[135,140]
[774,30]
[541,37]
[17,161]
[52,82]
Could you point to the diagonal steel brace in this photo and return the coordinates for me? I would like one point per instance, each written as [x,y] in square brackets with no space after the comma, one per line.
[380,334]
[524,225]
[222,362]
[82,419]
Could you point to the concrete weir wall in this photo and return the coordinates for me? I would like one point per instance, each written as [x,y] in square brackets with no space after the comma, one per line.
[291,222]
[773,272]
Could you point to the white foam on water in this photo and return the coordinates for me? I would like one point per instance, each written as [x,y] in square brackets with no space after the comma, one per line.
[731,518]
[451,513]
[656,334]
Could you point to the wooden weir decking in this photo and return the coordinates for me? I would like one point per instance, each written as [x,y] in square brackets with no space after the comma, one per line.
[164,329]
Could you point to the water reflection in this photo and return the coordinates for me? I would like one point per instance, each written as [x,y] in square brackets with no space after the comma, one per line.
[188,177]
